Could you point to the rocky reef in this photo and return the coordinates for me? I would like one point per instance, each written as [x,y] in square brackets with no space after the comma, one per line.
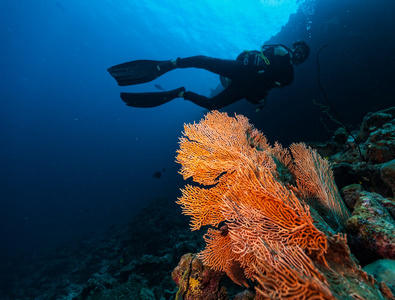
[241,178]
[366,157]
[153,257]
[364,168]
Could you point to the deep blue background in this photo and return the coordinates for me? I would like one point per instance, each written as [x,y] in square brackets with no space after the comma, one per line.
[75,160]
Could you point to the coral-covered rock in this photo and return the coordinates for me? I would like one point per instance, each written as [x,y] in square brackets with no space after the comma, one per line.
[146,294]
[351,194]
[196,281]
[372,224]
[358,158]
[245,295]
[387,172]
[383,270]
[340,136]
[372,121]
[381,144]
[378,136]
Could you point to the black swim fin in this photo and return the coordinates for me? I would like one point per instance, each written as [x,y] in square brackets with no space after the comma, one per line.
[150,99]
[140,71]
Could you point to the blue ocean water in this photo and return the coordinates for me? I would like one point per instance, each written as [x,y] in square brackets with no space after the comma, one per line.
[76,160]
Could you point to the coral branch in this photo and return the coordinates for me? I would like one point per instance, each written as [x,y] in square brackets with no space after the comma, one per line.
[271,233]
[315,180]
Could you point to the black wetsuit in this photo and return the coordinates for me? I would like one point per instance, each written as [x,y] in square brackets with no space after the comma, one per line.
[251,75]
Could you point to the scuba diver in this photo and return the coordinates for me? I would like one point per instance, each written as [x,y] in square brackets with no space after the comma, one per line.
[251,76]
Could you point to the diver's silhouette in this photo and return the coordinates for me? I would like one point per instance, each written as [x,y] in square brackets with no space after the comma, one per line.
[251,76]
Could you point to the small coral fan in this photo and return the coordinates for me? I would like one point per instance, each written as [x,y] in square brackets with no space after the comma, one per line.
[270,204]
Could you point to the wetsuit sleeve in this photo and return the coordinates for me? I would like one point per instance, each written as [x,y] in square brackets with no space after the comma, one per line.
[283,73]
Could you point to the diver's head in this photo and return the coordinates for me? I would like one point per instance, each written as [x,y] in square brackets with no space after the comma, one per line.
[300,52]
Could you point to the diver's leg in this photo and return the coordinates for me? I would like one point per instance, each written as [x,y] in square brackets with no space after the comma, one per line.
[151,99]
[225,98]
[225,67]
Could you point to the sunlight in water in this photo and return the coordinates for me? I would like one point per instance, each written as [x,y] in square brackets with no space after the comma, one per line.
[291,3]
[227,25]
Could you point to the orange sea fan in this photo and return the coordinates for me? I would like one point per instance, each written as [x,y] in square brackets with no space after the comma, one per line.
[203,204]
[314,178]
[219,250]
[261,196]
[239,165]
[216,145]
[286,282]
[264,206]
[220,255]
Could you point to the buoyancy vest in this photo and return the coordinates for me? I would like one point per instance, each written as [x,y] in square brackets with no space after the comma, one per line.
[270,68]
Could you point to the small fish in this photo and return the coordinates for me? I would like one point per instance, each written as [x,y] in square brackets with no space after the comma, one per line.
[157,174]
[159,87]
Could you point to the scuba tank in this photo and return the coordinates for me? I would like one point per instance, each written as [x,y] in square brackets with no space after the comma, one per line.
[259,59]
